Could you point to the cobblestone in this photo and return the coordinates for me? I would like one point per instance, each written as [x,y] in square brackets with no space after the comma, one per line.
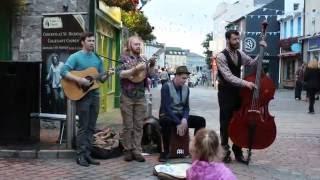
[294,154]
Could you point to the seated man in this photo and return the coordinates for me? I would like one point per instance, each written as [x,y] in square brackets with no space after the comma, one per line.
[174,110]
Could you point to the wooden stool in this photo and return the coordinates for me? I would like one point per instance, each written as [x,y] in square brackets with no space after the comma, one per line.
[179,145]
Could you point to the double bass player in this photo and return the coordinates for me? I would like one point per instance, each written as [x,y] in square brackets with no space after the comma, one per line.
[229,63]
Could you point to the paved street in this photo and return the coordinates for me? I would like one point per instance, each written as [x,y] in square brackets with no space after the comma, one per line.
[295,154]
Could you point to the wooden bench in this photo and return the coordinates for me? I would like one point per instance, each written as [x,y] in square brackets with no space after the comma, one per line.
[53,117]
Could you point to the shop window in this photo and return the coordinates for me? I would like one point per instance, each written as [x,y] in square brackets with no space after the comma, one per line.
[289,70]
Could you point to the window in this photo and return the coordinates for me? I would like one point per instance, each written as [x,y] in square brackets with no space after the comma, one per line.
[299,26]
[285,30]
[295,6]
[291,28]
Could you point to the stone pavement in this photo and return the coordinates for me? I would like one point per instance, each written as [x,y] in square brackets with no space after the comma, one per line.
[295,154]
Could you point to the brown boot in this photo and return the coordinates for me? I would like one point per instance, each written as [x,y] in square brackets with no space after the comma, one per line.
[138,157]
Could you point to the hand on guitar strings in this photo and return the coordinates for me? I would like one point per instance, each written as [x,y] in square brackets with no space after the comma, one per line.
[182,127]
[84,82]
[139,67]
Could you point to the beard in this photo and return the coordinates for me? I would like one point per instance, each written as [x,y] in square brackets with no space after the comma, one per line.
[234,46]
[136,51]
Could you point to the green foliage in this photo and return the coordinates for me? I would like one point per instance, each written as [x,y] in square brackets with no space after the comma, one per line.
[138,23]
[207,52]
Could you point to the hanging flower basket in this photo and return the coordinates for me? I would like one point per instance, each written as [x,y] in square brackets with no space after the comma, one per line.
[126,5]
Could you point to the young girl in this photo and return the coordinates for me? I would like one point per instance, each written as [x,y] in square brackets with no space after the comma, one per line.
[204,149]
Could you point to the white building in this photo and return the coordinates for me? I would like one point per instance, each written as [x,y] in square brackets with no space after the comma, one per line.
[196,63]
[154,48]
[291,29]
[174,57]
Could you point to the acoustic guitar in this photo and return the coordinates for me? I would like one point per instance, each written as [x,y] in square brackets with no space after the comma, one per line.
[139,76]
[74,91]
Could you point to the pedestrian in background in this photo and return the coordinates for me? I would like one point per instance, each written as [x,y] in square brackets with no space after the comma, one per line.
[299,81]
[312,82]
[164,76]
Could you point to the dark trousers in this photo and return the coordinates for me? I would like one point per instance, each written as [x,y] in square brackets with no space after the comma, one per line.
[196,122]
[311,94]
[87,110]
[298,89]
[163,81]
[229,101]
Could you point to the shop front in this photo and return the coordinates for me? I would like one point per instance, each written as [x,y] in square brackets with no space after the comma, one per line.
[107,27]
[290,59]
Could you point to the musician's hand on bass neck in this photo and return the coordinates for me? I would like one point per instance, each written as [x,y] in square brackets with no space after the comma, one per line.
[263,44]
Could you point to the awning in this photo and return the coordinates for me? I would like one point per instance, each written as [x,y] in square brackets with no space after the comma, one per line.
[289,54]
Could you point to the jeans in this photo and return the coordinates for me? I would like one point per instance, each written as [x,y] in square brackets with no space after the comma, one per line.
[87,110]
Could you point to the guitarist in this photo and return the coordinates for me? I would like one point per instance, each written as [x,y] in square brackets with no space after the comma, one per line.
[132,100]
[88,106]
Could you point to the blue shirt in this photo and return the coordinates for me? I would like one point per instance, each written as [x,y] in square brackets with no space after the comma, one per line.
[81,60]
[166,101]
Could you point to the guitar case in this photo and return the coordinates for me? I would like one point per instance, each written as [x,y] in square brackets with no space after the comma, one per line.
[176,171]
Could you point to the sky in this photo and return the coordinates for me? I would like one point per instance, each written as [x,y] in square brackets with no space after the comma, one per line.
[182,23]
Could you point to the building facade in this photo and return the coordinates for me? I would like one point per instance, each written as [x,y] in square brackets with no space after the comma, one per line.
[174,57]
[311,38]
[196,63]
[291,28]
[157,49]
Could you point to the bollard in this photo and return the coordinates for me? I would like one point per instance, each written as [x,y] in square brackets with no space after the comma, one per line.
[71,110]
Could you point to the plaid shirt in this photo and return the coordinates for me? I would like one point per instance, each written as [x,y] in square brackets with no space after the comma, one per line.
[128,88]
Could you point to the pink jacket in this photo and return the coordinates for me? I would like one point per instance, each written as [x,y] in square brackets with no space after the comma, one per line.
[209,171]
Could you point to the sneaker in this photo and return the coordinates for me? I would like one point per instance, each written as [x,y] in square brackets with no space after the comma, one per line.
[138,157]
[82,161]
[311,112]
[127,155]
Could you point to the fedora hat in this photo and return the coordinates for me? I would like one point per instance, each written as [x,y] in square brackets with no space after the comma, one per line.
[182,70]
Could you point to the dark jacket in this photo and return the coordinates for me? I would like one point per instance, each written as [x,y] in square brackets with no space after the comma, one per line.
[312,79]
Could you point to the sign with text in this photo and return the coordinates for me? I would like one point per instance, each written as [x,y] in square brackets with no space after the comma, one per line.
[60,38]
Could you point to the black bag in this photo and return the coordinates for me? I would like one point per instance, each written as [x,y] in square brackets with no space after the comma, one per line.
[151,139]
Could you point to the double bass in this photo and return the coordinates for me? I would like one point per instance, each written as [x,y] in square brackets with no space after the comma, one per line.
[252,126]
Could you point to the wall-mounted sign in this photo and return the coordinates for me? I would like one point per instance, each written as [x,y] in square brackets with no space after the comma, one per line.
[296,47]
[250,44]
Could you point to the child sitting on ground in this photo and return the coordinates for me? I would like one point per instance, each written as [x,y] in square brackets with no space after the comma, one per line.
[205,149]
